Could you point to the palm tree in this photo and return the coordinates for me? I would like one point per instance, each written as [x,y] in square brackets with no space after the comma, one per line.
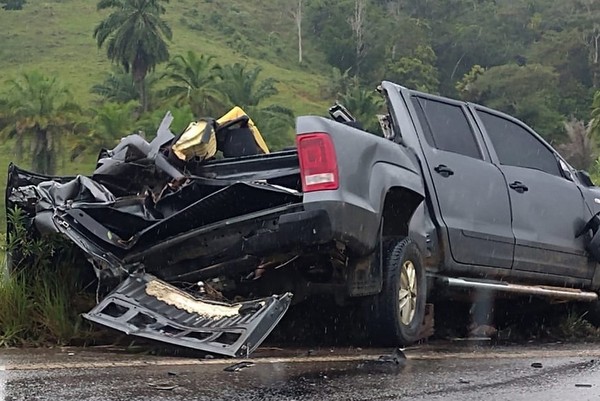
[579,149]
[276,125]
[364,105]
[40,114]
[135,36]
[338,82]
[111,121]
[195,81]
[118,87]
[242,87]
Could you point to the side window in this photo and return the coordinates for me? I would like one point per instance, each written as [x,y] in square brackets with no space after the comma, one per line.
[515,146]
[446,127]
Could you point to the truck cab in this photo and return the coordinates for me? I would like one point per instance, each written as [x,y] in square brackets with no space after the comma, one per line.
[503,202]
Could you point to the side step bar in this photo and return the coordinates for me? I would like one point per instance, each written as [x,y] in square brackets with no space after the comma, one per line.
[560,293]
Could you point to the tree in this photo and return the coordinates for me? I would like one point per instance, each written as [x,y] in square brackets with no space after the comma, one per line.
[297,16]
[41,113]
[579,149]
[118,87]
[357,22]
[11,5]
[338,83]
[595,120]
[110,122]
[135,35]
[416,70]
[528,93]
[242,86]
[195,81]
[364,105]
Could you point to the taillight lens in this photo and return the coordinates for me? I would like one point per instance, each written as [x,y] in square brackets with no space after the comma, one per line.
[318,164]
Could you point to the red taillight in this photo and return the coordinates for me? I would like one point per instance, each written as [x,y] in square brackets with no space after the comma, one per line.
[318,164]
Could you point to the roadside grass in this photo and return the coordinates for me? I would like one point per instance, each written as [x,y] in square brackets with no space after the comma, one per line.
[16,309]
[548,323]
[574,326]
[42,290]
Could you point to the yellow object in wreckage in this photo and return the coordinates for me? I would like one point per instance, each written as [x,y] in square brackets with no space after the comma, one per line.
[199,139]
[237,113]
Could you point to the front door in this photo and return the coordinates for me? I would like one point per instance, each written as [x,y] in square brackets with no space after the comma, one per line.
[548,209]
[470,190]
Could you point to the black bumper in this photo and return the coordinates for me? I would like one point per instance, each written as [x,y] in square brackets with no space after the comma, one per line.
[292,231]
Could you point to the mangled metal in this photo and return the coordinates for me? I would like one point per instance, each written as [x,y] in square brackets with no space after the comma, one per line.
[147,307]
[146,211]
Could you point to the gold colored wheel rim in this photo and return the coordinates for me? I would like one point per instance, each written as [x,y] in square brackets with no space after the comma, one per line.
[408,292]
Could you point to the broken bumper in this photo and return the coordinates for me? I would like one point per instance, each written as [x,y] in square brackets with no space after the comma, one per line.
[147,307]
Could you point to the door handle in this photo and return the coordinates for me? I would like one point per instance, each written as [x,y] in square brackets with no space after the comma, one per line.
[519,187]
[444,170]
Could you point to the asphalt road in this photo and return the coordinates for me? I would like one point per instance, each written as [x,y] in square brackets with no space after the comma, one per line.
[434,372]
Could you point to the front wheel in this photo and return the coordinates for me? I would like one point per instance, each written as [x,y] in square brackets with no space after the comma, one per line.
[400,307]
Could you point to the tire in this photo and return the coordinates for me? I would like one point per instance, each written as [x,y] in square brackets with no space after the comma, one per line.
[398,311]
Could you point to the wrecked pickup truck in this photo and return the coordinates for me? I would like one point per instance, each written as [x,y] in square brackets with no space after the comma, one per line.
[452,197]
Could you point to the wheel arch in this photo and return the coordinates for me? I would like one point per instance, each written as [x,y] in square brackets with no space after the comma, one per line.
[399,206]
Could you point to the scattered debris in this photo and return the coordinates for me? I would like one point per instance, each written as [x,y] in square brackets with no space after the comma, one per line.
[163,386]
[537,365]
[139,306]
[428,326]
[396,357]
[463,381]
[482,331]
[239,366]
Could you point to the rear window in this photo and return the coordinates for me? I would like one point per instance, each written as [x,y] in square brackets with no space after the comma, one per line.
[446,127]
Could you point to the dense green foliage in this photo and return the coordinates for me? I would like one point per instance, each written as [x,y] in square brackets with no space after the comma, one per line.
[42,296]
[538,60]
[11,5]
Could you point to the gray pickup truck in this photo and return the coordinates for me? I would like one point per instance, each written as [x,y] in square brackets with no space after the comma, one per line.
[452,196]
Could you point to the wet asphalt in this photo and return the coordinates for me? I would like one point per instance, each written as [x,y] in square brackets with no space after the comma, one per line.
[432,372]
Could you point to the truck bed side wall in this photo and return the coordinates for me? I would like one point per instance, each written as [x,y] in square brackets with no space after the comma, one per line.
[369,168]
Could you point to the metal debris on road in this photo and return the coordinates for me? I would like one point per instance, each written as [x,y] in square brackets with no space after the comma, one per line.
[537,365]
[238,366]
[397,357]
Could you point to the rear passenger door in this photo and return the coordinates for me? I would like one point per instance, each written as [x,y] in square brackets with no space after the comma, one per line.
[470,191]
[548,209]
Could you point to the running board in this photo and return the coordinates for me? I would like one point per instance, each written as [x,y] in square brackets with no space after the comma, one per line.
[148,307]
[565,294]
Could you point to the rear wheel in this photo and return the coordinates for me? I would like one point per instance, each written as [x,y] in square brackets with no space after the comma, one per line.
[398,311]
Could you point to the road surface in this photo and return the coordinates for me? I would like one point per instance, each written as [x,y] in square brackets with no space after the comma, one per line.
[443,371]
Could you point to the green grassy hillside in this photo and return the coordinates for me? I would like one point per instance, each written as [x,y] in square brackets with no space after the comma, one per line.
[55,37]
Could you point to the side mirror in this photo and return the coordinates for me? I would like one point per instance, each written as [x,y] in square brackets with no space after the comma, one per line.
[585,178]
